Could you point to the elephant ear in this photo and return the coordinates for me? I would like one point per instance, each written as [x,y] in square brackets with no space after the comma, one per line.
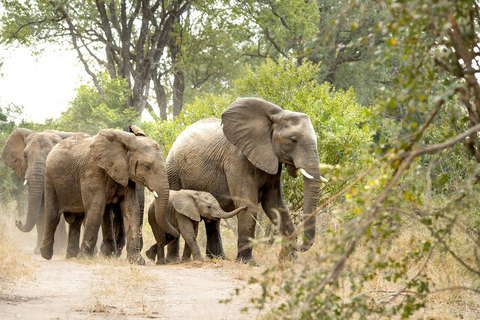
[65,135]
[247,124]
[13,151]
[109,151]
[137,131]
[184,203]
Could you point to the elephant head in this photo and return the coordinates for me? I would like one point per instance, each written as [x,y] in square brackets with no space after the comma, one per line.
[197,205]
[268,135]
[124,156]
[26,152]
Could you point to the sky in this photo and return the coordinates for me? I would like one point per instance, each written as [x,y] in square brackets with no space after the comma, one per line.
[42,84]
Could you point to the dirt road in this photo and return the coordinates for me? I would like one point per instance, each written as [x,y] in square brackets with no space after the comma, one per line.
[106,289]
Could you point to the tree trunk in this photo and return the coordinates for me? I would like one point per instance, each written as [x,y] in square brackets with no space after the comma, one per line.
[178,89]
[179,77]
[161,96]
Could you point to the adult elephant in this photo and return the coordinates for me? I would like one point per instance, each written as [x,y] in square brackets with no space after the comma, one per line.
[238,160]
[85,175]
[26,152]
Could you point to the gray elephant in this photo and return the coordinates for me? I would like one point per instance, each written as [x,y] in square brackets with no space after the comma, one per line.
[26,152]
[238,159]
[185,210]
[85,175]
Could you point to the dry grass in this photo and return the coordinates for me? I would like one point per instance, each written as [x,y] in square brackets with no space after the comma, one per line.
[120,287]
[15,264]
[443,271]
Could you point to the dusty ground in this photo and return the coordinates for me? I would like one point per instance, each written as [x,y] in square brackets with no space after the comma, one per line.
[106,289]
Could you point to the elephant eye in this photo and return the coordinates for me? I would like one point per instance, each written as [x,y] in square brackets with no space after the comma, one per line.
[209,207]
[25,155]
[293,139]
[147,167]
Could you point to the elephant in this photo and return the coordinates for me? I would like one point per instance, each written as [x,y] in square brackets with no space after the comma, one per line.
[26,152]
[186,208]
[238,159]
[86,174]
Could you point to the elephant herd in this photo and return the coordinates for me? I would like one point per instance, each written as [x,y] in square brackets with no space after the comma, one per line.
[216,169]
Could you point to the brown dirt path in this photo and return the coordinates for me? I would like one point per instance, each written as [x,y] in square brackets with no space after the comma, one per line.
[106,289]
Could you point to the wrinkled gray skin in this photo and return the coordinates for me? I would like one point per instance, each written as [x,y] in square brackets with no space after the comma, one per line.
[26,152]
[185,210]
[239,159]
[85,175]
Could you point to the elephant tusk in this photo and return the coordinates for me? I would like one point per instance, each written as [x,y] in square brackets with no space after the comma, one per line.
[25,182]
[155,194]
[323,179]
[305,173]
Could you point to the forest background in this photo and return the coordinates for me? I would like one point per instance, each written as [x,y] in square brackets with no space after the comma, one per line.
[391,89]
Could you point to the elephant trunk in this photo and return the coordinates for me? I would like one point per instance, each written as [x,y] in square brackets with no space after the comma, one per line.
[311,186]
[225,215]
[161,202]
[35,197]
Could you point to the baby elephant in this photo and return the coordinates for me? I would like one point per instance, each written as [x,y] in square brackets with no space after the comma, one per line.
[186,208]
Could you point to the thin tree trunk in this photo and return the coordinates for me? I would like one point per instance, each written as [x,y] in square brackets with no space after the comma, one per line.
[178,90]
[161,96]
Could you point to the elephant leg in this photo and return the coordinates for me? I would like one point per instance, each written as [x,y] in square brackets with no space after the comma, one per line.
[94,211]
[160,253]
[246,231]
[275,209]
[75,225]
[52,218]
[61,237]
[187,252]
[245,194]
[119,230]
[173,250]
[187,230]
[131,218]
[108,246]
[214,240]
[158,249]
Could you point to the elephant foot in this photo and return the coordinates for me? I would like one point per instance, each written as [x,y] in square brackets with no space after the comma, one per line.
[138,259]
[212,256]
[87,252]
[161,261]
[36,250]
[198,259]
[72,253]
[171,259]
[107,248]
[152,252]
[246,257]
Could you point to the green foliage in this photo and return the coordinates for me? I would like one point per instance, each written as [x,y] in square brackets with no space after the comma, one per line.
[166,132]
[90,112]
